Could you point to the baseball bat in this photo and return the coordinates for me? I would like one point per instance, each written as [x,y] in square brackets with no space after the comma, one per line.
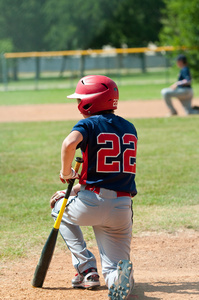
[48,249]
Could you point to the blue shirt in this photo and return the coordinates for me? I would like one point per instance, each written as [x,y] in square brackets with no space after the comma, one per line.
[184,74]
[109,151]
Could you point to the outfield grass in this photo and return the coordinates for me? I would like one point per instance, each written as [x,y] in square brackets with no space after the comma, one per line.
[127,92]
[167,179]
[132,86]
[122,77]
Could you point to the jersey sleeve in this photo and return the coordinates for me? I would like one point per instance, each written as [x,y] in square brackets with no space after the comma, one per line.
[185,74]
[82,127]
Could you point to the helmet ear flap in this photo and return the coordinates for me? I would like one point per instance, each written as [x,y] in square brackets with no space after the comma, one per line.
[84,107]
[87,106]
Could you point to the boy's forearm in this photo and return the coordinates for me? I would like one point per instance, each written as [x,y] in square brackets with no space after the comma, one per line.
[67,156]
[68,150]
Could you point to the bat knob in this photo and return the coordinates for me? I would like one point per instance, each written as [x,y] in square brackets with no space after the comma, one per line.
[79,160]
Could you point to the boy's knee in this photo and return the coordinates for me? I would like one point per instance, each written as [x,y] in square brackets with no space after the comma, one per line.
[165,92]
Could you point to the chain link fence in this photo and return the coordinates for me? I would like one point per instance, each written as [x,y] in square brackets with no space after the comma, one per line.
[53,70]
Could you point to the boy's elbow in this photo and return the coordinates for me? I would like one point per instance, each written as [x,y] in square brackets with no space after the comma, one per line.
[69,145]
[72,140]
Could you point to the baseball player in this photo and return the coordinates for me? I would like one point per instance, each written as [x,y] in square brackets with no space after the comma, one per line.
[102,198]
[181,89]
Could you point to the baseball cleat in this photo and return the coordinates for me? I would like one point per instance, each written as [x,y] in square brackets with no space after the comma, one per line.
[122,288]
[89,279]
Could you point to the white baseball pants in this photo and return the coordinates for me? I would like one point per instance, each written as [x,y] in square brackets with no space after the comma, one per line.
[184,95]
[111,219]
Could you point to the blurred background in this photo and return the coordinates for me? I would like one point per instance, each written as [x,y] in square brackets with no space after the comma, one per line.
[50,44]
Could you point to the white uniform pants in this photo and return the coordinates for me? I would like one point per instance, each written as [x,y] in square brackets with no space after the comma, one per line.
[111,219]
[184,95]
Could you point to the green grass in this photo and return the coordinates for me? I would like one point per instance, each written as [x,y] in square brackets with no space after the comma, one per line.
[167,179]
[122,77]
[35,97]
[127,92]
[132,86]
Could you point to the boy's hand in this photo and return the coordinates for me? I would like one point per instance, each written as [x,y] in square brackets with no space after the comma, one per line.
[71,175]
[61,194]
[173,86]
[57,196]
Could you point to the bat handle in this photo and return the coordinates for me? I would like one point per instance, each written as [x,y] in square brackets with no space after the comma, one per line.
[78,160]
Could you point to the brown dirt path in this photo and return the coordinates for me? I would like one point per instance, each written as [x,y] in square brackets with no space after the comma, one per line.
[69,111]
[166,267]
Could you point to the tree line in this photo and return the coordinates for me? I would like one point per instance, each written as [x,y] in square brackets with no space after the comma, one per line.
[62,25]
[65,25]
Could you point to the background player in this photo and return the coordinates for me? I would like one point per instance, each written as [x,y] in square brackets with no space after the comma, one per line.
[181,89]
[107,183]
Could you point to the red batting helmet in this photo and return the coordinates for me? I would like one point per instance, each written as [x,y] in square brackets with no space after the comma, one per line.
[97,93]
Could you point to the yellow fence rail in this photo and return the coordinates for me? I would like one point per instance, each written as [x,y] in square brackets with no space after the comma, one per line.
[92,52]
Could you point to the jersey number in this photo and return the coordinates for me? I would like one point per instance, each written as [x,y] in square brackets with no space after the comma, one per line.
[114,150]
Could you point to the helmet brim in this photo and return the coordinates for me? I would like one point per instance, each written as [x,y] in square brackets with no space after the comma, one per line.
[80,96]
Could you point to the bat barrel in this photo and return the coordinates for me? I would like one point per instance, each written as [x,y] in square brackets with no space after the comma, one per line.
[45,259]
[48,249]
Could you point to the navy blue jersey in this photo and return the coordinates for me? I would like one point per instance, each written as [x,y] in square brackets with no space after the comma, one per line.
[184,74]
[109,151]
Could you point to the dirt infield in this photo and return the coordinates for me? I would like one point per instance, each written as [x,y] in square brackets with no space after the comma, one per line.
[166,267]
[69,111]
